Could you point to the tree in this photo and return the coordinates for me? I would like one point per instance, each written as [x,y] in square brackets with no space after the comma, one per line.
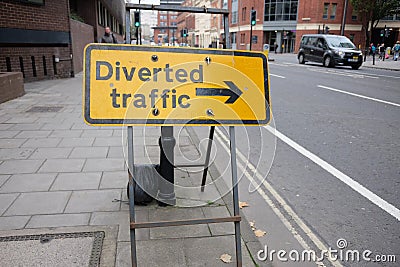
[371,11]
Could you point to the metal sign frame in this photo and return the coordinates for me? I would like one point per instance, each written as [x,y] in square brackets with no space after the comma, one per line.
[167,133]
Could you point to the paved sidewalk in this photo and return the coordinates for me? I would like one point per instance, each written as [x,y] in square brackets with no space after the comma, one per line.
[58,174]
[388,64]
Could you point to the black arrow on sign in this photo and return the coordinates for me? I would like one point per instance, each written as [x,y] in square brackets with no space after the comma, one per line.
[233,92]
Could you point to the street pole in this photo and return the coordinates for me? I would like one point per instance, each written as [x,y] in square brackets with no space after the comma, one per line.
[346,3]
[251,35]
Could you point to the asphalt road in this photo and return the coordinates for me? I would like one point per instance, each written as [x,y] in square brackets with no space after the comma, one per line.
[336,168]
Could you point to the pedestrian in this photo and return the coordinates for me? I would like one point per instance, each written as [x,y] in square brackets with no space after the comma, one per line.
[275,47]
[373,52]
[396,51]
[382,52]
[108,37]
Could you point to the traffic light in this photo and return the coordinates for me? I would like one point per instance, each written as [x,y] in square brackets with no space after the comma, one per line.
[185,32]
[137,19]
[253,17]
[382,32]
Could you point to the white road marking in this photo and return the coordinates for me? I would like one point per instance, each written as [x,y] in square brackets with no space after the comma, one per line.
[347,74]
[383,204]
[279,76]
[361,96]
[219,136]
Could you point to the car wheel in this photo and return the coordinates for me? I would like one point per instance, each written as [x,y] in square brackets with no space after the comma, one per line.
[328,62]
[301,59]
[355,67]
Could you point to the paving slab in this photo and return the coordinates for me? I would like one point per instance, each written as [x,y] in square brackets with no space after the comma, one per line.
[15,153]
[57,126]
[3,178]
[11,143]
[41,142]
[62,165]
[8,134]
[104,165]
[5,201]
[121,218]
[39,203]
[108,141]
[58,220]
[33,134]
[26,126]
[30,182]
[13,222]
[116,152]
[97,133]
[20,166]
[51,153]
[118,179]
[164,252]
[76,142]
[93,200]
[89,152]
[66,133]
[171,213]
[76,181]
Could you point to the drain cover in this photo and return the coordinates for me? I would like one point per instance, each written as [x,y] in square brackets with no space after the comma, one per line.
[62,249]
[45,109]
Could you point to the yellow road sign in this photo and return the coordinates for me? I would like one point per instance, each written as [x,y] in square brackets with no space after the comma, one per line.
[138,85]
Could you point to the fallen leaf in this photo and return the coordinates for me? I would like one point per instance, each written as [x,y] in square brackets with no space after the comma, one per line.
[260,233]
[243,204]
[253,225]
[226,258]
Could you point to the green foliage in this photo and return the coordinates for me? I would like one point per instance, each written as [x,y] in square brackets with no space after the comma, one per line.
[374,10]
[73,15]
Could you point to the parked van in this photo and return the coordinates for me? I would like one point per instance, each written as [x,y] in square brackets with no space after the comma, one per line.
[330,50]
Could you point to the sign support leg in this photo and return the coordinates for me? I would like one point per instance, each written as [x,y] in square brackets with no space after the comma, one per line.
[131,194]
[166,195]
[235,195]
[210,140]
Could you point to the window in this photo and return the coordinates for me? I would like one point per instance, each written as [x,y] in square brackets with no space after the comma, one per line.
[233,37]
[333,11]
[325,13]
[163,17]
[352,37]
[174,17]
[163,24]
[244,13]
[280,10]
[234,11]
[354,15]
[173,24]
[36,2]
[242,38]
[234,17]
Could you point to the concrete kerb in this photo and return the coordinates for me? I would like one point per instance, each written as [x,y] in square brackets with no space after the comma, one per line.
[252,244]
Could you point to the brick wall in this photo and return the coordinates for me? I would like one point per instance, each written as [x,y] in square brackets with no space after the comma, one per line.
[244,24]
[53,16]
[310,16]
[36,60]
[16,54]
[81,35]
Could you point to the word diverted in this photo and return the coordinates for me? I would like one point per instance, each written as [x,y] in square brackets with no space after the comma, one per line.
[106,71]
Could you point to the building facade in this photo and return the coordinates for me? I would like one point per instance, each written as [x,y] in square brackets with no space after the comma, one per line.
[166,30]
[35,39]
[39,38]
